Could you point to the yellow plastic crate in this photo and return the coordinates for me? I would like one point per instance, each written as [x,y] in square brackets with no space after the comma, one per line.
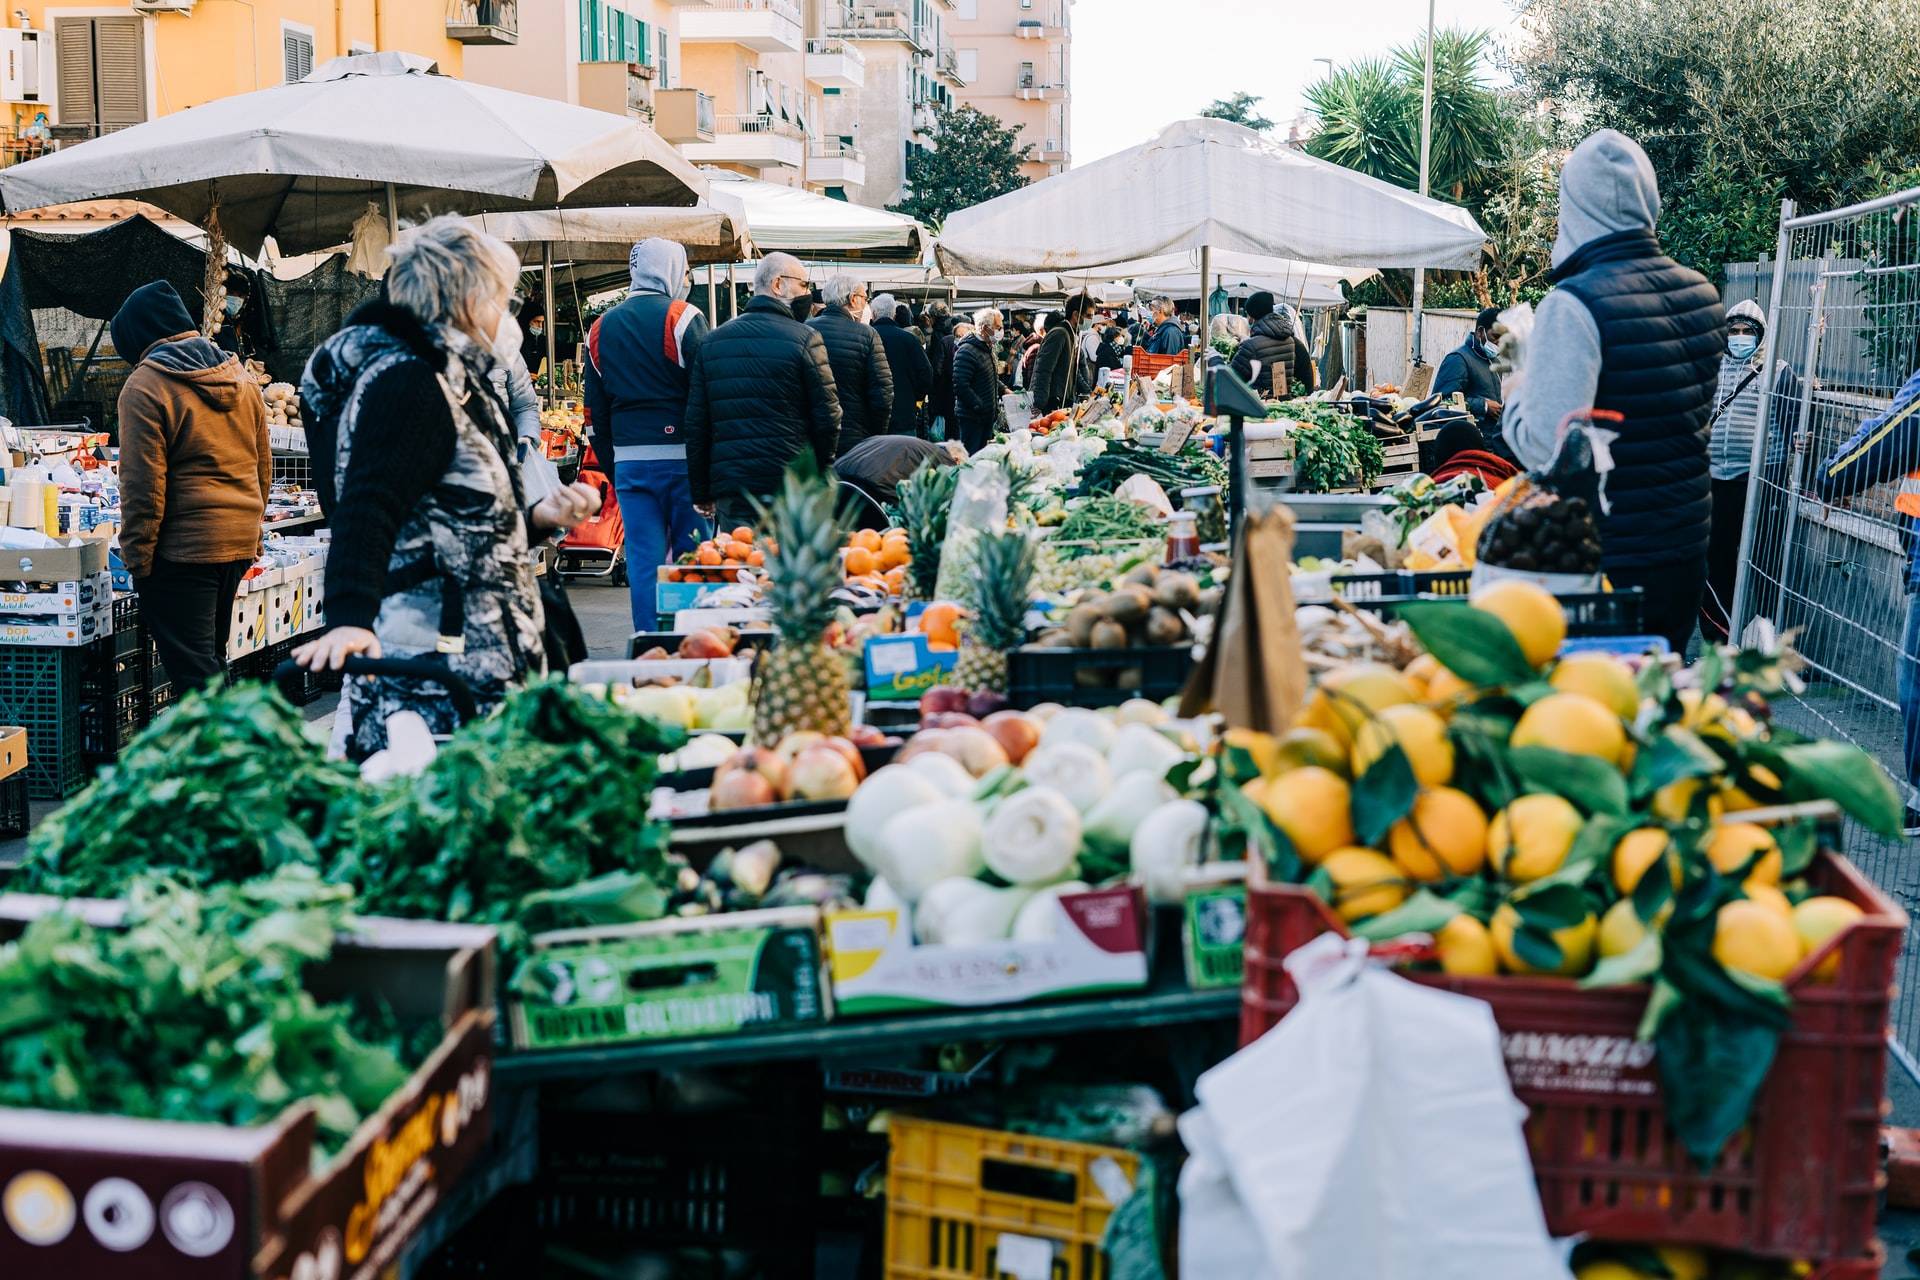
[978,1204]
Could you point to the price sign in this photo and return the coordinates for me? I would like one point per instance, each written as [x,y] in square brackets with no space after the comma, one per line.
[1177,436]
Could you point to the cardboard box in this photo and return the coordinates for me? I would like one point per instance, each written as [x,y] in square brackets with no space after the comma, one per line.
[64,632]
[1213,931]
[1099,945]
[72,596]
[249,632]
[160,1200]
[901,668]
[84,558]
[668,979]
[13,750]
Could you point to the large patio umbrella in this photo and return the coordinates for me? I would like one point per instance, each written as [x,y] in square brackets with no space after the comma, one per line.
[808,225]
[300,162]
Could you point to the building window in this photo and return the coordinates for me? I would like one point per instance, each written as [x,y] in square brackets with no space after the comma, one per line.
[296,52]
[609,35]
[967,62]
[102,69]
[1026,4]
[966,10]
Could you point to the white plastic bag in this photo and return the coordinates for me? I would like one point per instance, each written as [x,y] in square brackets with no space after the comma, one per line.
[1374,1133]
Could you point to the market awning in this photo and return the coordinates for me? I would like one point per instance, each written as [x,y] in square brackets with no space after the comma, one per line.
[605,235]
[301,162]
[797,221]
[1207,183]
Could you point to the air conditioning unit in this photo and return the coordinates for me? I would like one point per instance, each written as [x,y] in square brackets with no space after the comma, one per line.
[24,59]
[161,6]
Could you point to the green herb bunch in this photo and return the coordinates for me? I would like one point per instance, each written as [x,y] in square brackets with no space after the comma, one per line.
[1105,520]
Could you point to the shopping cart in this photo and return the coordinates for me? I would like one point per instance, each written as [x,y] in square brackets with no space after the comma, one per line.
[597,548]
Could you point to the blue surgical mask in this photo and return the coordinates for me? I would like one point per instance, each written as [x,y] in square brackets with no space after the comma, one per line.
[232,306]
[1741,346]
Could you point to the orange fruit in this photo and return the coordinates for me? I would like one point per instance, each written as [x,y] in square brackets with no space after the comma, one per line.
[938,622]
[756,557]
[743,534]
[860,561]
[866,540]
[708,554]
[896,579]
[894,554]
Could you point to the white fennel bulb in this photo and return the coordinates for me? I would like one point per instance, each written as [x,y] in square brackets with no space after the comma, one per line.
[1031,837]
[1077,772]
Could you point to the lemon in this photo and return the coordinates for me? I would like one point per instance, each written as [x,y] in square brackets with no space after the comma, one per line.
[1421,671]
[1422,735]
[1576,944]
[1735,843]
[1737,799]
[1365,883]
[1703,712]
[1683,1261]
[1818,919]
[1674,802]
[1573,723]
[1636,851]
[1466,948]
[1299,747]
[1348,695]
[1620,929]
[1767,896]
[1263,747]
[1602,677]
[1536,619]
[1314,807]
[1531,837]
[1754,938]
[1444,834]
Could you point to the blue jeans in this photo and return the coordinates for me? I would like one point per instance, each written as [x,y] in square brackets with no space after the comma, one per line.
[1909,662]
[656,506]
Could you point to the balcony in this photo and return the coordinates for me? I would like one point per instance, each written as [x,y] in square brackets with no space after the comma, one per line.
[1052,151]
[483,21]
[1035,29]
[1033,89]
[765,26]
[760,141]
[683,116]
[836,64]
[948,65]
[684,3]
[836,164]
[878,20]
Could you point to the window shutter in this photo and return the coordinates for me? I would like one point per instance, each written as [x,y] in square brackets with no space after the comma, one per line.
[296,55]
[73,50]
[120,68]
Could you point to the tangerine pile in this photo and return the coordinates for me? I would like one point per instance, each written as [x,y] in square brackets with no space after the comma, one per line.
[720,558]
[878,559]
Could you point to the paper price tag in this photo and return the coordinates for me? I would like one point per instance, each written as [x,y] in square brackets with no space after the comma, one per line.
[1024,1257]
[892,658]
[1177,436]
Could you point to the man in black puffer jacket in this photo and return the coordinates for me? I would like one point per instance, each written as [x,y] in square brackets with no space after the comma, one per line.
[1056,368]
[1629,329]
[761,392]
[912,372]
[1274,345]
[976,386]
[861,375]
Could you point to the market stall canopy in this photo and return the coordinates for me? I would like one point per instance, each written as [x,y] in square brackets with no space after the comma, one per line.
[601,236]
[792,220]
[1241,274]
[1207,183]
[301,162]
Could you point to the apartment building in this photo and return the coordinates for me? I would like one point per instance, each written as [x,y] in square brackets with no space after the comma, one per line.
[910,67]
[98,67]
[1017,59]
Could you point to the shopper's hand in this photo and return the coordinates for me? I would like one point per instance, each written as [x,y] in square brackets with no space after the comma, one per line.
[1495,408]
[565,508]
[707,511]
[331,651]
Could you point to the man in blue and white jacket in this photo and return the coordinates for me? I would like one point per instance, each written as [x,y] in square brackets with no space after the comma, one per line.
[639,356]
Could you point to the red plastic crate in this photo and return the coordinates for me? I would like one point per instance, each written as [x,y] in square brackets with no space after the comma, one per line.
[1800,1182]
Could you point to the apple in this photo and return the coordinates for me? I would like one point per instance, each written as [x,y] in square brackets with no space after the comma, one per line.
[1017,733]
[942,697]
[948,720]
[821,772]
[769,766]
[984,703]
[741,789]
[849,753]
[978,752]
[794,743]
[922,742]
[865,735]
[708,642]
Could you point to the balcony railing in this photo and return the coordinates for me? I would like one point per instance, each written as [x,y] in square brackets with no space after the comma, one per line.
[842,48]
[834,150]
[878,20]
[762,122]
[483,21]
[790,12]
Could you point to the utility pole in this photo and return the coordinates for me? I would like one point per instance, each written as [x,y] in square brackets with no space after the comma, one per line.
[1415,351]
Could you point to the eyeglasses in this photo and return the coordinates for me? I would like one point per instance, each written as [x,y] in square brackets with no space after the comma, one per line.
[802,281]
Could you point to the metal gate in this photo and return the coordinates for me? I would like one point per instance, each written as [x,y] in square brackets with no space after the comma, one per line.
[1843,318]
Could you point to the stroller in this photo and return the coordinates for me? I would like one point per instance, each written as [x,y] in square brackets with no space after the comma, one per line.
[597,548]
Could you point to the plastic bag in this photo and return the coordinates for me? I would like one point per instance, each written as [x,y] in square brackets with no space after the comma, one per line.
[1546,523]
[979,503]
[1373,1133]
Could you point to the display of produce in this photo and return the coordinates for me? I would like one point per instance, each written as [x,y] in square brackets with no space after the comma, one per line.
[802,684]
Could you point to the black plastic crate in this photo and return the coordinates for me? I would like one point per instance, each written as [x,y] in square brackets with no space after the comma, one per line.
[40,691]
[1603,613]
[1441,582]
[15,817]
[107,725]
[126,612]
[106,672]
[1096,677]
[1370,586]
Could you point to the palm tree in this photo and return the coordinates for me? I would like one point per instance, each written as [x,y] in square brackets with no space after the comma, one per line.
[1363,122]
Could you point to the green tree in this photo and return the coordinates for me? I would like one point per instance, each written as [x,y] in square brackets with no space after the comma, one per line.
[1241,108]
[974,158]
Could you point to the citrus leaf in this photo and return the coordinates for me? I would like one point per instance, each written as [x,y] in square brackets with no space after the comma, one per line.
[1663,1001]
[1238,765]
[1655,682]
[1591,783]
[1423,912]
[1470,642]
[1383,795]
[1842,773]
[1474,895]
[1675,754]
[1636,965]
[1321,883]
[1247,824]
[1712,1062]
[1537,947]
[1799,842]
[1655,889]
[1554,907]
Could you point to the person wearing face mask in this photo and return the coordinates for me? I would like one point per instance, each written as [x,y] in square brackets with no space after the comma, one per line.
[533,341]
[195,466]
[233,309]
[1056,368]
[1468,369]
[762,393]
[862,376]
[417,469]
[977,409]
[639,367]
[1737,406]
[912,372]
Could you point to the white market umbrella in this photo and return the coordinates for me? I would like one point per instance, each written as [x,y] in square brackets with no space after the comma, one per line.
[794,220]
[1207,184]
[301,162]
[601,236]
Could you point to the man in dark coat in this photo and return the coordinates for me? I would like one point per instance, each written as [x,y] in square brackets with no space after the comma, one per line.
[1272,343]
[977,409]
[861,375]
[1468,369]
[912,371]
[1165,336]
[1056,368]
[762,392]
[940,345]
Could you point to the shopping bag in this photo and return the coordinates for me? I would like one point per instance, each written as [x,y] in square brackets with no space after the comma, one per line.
[1252,672]
[1217,1235]
[1373,1133]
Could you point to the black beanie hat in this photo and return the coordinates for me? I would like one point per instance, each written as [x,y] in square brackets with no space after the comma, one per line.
[1260,305]
[151,313]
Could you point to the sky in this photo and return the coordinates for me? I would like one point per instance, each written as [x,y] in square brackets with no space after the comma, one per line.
[1139,65]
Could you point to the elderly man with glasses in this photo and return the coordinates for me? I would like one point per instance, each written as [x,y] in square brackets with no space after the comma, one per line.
[861,372]
[762,393]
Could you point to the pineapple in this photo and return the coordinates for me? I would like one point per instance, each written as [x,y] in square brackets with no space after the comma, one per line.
[1003,574]
[921,507]
[802,683]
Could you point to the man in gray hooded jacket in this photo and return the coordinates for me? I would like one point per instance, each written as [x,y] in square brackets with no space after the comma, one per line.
[1630,330]
[639,360]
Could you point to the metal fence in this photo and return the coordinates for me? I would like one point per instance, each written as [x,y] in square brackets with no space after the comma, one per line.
[1824,555]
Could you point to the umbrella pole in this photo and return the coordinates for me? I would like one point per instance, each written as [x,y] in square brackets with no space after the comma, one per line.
[546,284]
[393,215]
[713,314]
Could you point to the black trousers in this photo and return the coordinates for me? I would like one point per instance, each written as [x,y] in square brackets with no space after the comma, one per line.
[1670,597]
[1723,556]
[188,609]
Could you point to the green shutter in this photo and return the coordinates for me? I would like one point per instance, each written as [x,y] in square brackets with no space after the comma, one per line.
[589,29]
[643,45]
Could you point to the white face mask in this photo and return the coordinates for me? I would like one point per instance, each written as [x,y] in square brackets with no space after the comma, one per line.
[506,337]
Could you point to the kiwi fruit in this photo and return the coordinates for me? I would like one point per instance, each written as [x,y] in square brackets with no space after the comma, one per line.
[1141,575]
[1164,627]
[1127,605]
[1177,591]
[1058,638]
[1080,620]
[1108,634]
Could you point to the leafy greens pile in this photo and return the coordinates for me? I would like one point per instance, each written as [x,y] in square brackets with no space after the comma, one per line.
[194,1010]
[1194,465]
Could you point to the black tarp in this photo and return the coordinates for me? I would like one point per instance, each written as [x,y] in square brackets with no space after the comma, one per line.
[301,314]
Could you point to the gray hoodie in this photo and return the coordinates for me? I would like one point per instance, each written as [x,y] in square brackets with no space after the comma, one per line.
[658,266]
[1606,186]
